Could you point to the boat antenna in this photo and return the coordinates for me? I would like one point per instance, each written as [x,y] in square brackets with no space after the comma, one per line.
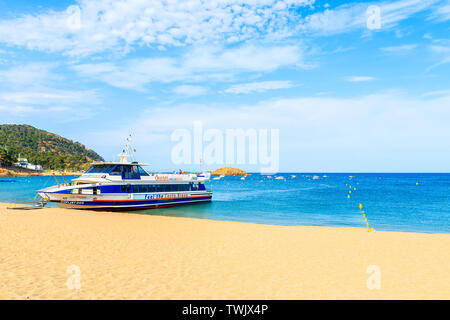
[128,151]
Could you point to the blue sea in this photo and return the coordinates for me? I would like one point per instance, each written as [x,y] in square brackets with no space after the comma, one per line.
[391,201]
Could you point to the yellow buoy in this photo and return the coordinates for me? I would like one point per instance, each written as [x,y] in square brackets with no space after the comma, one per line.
[354,189]
[364,215]
[417,183]
[360,206]
[350,191]
[348,196]
[365,219]
[350,187]
[367,224]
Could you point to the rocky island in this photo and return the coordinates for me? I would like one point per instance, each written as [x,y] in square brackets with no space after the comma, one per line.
[229,171]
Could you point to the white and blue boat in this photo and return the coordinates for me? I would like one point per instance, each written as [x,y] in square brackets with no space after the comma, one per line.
[126,185]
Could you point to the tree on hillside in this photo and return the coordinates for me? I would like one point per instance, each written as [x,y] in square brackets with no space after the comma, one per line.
[6,159]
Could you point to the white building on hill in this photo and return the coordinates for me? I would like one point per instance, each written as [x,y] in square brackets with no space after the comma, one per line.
[23,163]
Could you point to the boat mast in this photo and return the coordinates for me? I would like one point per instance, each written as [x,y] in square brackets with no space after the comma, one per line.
[127,152]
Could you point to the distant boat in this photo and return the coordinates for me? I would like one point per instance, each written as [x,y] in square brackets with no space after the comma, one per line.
[222,176]
[216,178]
[315,177]
[293,176]
[243,178]
[279,178]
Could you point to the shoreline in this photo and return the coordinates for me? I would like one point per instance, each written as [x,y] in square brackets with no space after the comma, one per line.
[7,173]
[136,256]
[15,204]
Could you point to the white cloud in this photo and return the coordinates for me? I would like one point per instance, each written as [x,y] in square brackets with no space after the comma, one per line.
[378,132]
[50,96]
[350,17]
[29,74]
[106,24]
[96,26]
[437,93]
[258,86]
[64,113]
[55,104]
[21,111]
[441,50]
[360,78]
[399,49]
[198,64]
[441,12]
[55,113]
[190,90]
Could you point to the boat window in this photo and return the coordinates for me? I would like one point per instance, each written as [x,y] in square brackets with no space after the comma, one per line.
[135,172]
[142,172]
[117,171]
[130,172]
[140,188]
[101,168]
[125,188]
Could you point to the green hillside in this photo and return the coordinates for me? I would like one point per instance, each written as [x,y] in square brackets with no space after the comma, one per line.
[44,148]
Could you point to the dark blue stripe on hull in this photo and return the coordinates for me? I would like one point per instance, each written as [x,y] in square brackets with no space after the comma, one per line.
[138,203]
[158,206]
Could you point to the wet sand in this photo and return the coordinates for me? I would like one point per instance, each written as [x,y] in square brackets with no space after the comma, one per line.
[136,256]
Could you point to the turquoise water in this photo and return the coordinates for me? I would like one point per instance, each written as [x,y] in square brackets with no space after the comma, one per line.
[391,202]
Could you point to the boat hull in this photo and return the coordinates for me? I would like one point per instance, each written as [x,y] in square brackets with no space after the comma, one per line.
[127,205]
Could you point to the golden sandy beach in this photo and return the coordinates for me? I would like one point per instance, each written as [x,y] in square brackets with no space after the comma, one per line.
[133,256]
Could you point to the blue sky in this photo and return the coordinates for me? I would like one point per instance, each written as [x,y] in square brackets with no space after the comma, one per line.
[344,97]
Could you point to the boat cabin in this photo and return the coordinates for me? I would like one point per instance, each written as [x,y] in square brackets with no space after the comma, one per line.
[126,171]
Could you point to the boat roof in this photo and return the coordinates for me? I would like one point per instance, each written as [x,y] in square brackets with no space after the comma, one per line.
[119,163]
